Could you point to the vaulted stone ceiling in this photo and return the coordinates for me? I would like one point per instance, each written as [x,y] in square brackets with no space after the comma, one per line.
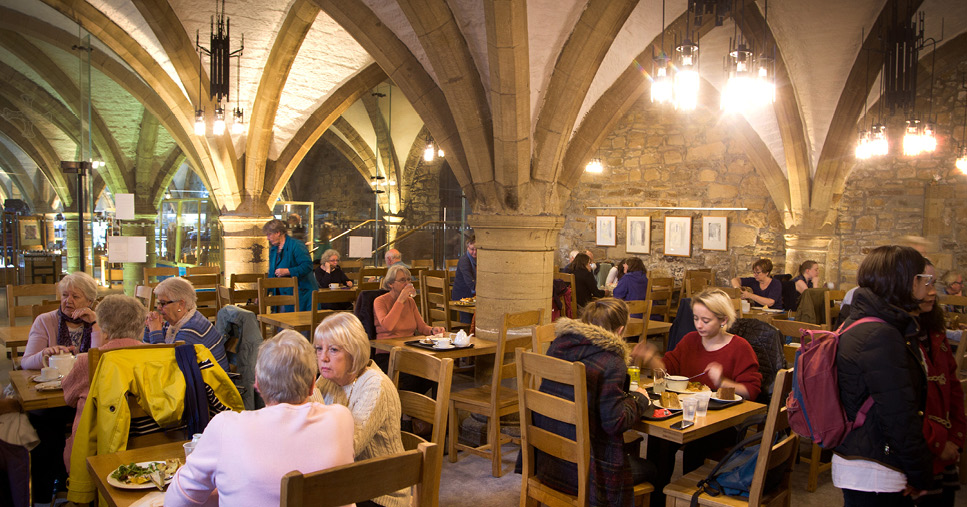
[518,93]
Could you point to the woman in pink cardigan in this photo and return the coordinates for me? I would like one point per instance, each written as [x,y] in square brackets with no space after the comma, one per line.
[68,329]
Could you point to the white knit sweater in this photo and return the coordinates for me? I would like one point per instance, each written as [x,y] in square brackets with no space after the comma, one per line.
[375,405]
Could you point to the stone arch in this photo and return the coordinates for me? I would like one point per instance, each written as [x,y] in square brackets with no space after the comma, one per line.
[40,151]
[12,163]
[167,173]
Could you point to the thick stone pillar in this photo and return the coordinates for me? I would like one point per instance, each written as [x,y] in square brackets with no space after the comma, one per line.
[815,247]
[142,225]
[244,247]
[515,263]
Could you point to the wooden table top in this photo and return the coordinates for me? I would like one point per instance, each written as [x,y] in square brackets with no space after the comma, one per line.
[480,347]
[102,465]
[470,308]
[30,397]
[757,313]
[715,421]
[655,326]
[14,337]
[299,321]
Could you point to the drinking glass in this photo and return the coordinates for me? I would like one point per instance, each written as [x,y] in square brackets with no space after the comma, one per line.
[702,399]
[658,375]
[689,408]
[189,448]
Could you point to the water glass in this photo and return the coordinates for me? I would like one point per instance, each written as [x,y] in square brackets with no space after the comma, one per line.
[658,375]
[702,398]
[689,408]
[189,448]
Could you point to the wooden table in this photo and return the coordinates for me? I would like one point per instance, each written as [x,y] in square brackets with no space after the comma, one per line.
[471,308]
[14,338]
[768,317]
[715,421]
[480,347]
[102,465]
[30,397]
[299,321]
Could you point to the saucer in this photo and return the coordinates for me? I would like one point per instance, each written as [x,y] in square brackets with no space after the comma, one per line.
[38,378]
[441,346]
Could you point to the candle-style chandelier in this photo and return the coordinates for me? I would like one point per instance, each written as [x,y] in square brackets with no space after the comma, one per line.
[751,79]
[220,55]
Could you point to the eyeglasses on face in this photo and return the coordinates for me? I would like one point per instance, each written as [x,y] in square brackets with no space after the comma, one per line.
[161,303]
[926,279]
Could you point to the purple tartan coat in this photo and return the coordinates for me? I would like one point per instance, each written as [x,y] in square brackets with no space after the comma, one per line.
[611,412]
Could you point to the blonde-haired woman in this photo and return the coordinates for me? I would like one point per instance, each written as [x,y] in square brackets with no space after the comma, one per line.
[348,377]
[69,328]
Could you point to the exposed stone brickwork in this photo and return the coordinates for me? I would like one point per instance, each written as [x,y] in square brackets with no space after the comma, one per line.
[663,158]
[328,179]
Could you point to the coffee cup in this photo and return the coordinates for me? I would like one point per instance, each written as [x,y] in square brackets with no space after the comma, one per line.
[49,373]
[333,285]
[62,362]
[443,343]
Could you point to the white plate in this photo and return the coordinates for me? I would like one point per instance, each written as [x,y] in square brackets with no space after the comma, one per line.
[148,485]
[737,398]
[770,310]
[656,402]
[444,347]
[36,378]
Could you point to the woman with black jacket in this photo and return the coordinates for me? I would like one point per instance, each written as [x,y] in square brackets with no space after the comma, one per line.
[886,461]
[586,287]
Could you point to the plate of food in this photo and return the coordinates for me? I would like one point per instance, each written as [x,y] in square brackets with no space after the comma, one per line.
[144,475]
[464,302]
[53,385]
[693,387]
[726,395]
[669,401]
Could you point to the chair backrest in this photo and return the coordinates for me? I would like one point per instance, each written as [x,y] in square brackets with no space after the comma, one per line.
[793,328]
[831,300]
[638,328]
[206,292]
[660,283]
[505,366]
[369,272]
[366,479]
[451,264]
[531,369]
[661,302]
[947,299]
[781,453]
[350,266]
[422,263]
[206,281]
[733,292]
[36,310]
[436,293]
[329,296]
[568,280]
[113,276]
[419,405]
[244,288]
[543,335]
[203,270]
[268,298]
[157,273]
[14,292]
[737,306]
[694,282]
[424,306]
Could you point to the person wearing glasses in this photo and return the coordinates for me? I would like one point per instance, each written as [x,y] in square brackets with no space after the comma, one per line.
[886,461]
[766,291]
[396,313]
[953,285]
[176,318]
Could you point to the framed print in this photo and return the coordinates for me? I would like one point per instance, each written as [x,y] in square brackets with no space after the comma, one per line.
[605,231]
[678,236]
[30,232]
[715,231]
[638,235]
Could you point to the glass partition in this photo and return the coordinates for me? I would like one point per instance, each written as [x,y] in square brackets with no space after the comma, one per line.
[187,232]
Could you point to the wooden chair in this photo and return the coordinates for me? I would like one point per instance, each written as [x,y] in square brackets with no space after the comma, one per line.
[422,263]
[637,328]
[568,278]
[733,292]
[946,299]
[661,302]
[326,296]
[532,368]
[365,480]
[436,293]
[36,310]
[451,264]
[439,273]
[737,305]
[203,270]
[770,457]
[494,400]
[350,267]
[542,337]
[695,282]
[206,292]
[267,300]
[16,308]
[146,295]
[831,301]
[369,272]
[793,328]
[418,405]
[157,273]
[244,288]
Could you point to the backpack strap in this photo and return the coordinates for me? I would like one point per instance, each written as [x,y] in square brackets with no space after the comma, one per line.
[864,320]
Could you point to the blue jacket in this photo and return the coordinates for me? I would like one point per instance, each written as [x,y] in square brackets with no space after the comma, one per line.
[295,257]
[465,282]
[632,287]
[197,331]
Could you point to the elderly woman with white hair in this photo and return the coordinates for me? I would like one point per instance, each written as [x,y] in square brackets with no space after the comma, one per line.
[242,456]
[120,321]
[177,318]
[67,329]
[348,377]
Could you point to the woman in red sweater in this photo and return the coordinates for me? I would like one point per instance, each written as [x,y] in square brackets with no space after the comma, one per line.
[722,359]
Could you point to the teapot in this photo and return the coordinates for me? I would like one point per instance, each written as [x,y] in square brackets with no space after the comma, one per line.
[461,339]
[63,363]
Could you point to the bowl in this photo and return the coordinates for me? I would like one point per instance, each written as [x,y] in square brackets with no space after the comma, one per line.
[676,382]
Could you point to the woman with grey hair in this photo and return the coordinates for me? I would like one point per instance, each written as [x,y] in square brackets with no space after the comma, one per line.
[245,454]
[67,329]
[176,318]
[289,257]
[348,377]
[329,273]
[120,321]
[396,312]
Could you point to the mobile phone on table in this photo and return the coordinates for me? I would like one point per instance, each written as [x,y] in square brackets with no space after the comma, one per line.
[680,425]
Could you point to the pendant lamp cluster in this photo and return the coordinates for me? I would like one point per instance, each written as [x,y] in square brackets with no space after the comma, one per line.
[220,56]
[432,151]
[680,89]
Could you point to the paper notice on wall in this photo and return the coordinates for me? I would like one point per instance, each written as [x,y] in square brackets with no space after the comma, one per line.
[127,249]
[360,246]
[124,206]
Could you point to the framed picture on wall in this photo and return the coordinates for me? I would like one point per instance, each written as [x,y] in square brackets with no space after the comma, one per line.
[606,234]
[678,236]
[30,232]
[715,233]
[638,235]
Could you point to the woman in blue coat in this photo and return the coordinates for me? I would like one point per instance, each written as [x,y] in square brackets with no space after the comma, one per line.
[290,257]
[633,285]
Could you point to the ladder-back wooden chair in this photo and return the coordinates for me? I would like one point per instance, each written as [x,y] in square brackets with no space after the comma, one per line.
[320,297]
[831,302]
[439,273]
[422,263]
[269,300]
[495,400]
[244,290]
[770,457]
[370,272]
[203,270]
[17,308]
[158,273]
[436,292]
[543,336]
[532,368]
[637,328]
[206,292]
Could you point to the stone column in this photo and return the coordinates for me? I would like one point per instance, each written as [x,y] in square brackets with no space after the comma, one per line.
[244,247]
[515,263]
[142,225]
[815,247]
[71,241]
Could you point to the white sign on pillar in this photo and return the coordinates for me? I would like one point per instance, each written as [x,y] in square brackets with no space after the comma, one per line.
[127,249]
[124,206]
[360,246]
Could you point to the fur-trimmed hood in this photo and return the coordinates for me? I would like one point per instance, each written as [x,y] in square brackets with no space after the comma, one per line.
[594,335]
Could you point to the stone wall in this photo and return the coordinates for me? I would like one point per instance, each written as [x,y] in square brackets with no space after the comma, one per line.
[328,179]
[659,157]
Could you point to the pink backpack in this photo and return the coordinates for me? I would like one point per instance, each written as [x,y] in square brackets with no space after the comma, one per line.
[813,406]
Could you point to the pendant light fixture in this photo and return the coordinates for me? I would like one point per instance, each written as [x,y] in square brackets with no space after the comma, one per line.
[220,56]
[686,78]
[661,84]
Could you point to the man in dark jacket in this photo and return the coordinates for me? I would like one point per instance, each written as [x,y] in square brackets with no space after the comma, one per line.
[465,281]
[880,359]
